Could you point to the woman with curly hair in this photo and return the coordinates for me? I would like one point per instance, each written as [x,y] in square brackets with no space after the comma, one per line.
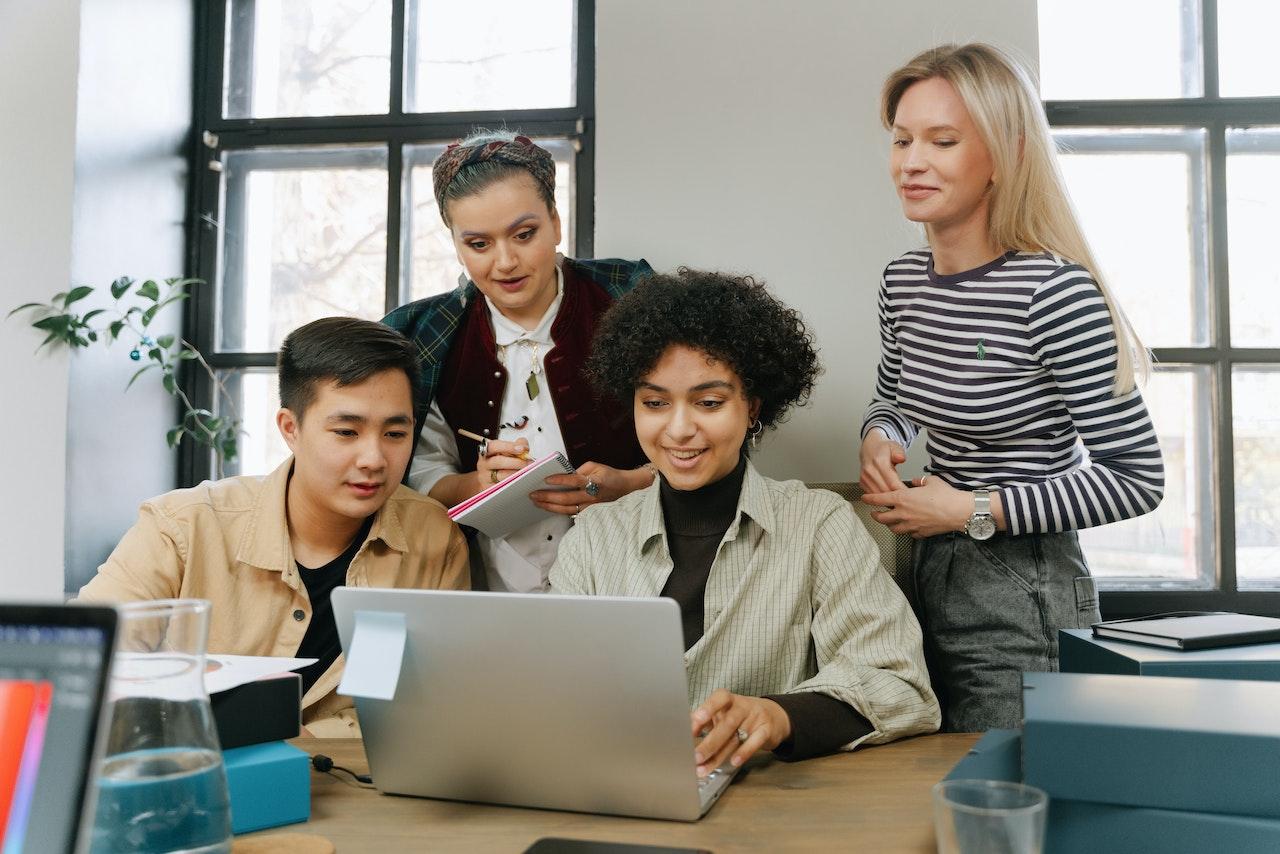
[1003,342]
[796,640]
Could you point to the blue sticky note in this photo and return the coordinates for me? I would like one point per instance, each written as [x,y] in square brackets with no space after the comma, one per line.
[374,657]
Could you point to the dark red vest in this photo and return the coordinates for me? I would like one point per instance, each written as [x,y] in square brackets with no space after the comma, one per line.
[595,429]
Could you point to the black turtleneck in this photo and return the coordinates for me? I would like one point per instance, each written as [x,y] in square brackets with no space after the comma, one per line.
[696,521]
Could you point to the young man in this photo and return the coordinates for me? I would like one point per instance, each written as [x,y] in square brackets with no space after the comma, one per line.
[268,551]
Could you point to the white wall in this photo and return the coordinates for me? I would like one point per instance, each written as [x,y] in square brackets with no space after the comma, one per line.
[38,62]
[743,135]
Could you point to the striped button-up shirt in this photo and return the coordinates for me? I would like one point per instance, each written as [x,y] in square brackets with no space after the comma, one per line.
[796,601]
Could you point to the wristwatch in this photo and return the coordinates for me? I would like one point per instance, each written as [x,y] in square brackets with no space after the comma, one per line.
[981,525]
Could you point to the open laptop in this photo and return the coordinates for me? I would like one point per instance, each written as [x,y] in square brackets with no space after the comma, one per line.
[560,702]
[54,661]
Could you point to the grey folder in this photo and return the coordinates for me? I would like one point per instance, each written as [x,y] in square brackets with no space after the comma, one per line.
[1209,745]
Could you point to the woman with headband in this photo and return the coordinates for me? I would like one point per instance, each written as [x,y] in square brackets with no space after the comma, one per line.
[502,356]
[1001,340]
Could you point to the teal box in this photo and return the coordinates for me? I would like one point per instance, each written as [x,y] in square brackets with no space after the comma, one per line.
[1081,652]
[1082,827]
[1204,745]
[270,785]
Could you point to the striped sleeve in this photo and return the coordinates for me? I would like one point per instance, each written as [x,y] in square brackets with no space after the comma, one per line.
[882,412]
[1073,336]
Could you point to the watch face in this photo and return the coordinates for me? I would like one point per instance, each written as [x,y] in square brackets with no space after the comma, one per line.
[982,527]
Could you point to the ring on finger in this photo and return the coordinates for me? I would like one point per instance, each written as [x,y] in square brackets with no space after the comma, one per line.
[592,488]
[923,478]
[484,447]
[493,475]
[743,735]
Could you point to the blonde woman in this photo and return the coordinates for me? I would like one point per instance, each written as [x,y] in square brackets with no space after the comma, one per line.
[1002,341]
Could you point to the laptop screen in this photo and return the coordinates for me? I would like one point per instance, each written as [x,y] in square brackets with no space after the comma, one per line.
[53,665]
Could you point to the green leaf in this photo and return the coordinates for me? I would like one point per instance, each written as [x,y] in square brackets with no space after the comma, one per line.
[170,384]
[121,286]
[114,329]
[188,354]
[76,294]
[155,353]
[139,373]
[149,290]
[58,297]
[25,306]
[164,342]
[229,449]
[59,324]
[90,315]
[149,315]
[93,336]
[174,436]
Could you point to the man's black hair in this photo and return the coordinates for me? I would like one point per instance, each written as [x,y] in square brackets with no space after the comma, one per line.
[346,350]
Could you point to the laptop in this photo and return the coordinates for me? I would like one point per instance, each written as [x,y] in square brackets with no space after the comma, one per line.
[560,702]
[54,661]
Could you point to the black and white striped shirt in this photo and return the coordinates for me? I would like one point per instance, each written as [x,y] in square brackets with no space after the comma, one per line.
[1010,369]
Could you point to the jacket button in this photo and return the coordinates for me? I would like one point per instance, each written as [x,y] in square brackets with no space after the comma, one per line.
[497,374]
[491,404]
[299,615]
[486,431]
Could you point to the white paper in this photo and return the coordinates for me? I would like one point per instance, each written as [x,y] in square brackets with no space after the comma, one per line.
[374,656]
[222,672]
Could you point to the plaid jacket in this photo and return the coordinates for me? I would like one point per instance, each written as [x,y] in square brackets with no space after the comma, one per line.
[431,323]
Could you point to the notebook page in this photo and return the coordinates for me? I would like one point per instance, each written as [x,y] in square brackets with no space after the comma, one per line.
[505,506]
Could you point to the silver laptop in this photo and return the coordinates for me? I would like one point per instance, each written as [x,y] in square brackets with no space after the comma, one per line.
[54,661]
[560,702]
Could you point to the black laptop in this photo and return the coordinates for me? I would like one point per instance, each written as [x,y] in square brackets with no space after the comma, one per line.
[54,661]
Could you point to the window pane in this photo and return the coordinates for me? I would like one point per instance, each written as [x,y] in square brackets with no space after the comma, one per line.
[255,396]
[304,237]
[304,58]
[1131,49]
[430,263]
[1246,48]
[1173,546]
[1256,421]
[497,55]
[1164,293]
[1253,212]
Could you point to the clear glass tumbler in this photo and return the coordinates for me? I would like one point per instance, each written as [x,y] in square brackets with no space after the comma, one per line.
[162,786]
[989,817]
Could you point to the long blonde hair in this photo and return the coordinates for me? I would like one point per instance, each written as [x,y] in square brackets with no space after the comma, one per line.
[1030,209]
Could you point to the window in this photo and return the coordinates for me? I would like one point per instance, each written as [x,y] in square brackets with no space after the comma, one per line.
[1169,130]
[312,178]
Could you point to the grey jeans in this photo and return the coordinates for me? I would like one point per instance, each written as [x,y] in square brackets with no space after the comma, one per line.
[991,610]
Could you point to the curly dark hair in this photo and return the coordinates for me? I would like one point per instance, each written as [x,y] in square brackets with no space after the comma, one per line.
[733,319]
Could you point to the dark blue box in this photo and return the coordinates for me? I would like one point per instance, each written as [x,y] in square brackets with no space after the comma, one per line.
[1081,652]
[1207,745]
[1082,827]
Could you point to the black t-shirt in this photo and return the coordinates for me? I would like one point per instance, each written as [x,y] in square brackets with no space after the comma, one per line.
[321,640]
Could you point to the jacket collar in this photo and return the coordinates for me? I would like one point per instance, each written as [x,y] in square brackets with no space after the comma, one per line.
[753,502]
[265,543]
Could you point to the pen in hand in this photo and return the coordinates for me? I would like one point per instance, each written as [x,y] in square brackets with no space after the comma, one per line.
[482,440]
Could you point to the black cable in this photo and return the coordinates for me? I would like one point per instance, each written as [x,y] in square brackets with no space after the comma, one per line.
[325,765]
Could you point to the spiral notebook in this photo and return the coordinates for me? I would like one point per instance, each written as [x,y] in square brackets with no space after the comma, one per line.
[505,506]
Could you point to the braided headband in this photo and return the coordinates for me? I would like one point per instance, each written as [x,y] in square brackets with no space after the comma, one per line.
[520,151]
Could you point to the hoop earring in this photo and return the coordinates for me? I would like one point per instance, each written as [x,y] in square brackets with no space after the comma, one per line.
[756,429]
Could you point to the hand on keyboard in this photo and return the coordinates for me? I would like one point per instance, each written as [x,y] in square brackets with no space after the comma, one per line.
[733,727]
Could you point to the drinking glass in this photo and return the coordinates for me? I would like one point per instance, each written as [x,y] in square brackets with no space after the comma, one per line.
[162,786]
[989,817]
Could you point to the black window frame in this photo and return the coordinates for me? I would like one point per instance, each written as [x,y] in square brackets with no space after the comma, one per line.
[215,134]
[1215,115]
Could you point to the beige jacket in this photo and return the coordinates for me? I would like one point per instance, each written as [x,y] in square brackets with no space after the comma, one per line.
[228,542]
[796,601]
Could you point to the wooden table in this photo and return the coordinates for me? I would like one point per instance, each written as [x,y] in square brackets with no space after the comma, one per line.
[876,800]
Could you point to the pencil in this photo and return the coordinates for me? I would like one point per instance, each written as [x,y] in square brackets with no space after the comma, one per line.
[478,438]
